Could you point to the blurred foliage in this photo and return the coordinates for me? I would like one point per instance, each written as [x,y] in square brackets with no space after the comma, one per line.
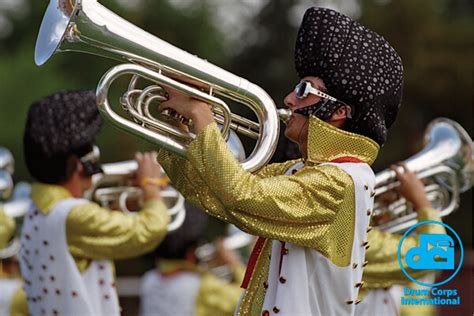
[434,38]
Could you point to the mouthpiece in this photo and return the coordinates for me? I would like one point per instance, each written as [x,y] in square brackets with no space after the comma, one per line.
[284,115]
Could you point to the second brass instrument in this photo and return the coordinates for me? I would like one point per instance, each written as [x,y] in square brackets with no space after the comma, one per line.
[112,189]
[446,164]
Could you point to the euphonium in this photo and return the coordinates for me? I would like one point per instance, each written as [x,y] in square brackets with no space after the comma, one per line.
[112,189]
[87,26]
[445,164]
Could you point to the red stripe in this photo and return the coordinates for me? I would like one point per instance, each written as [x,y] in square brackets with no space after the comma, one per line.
[282,253]
[257,249]
[347,159]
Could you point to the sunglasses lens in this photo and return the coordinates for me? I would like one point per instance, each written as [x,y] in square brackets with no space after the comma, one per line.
[300,89]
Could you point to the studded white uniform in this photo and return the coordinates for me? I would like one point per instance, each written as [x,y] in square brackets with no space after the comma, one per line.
[307,282]
[53,283]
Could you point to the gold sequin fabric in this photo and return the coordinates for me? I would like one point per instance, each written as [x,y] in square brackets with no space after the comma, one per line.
[217,296]
[312,208]
[7,228]
[326,143]
[383,269]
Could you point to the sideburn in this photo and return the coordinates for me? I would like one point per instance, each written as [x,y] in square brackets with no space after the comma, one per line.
[303,139]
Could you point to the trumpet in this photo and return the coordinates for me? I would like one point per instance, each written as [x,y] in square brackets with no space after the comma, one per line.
[446,164]
[87,26]
[112,189]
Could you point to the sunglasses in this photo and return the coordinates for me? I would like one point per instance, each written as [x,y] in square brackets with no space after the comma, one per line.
[303,88]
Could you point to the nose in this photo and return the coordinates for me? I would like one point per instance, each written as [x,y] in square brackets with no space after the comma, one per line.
[290,100]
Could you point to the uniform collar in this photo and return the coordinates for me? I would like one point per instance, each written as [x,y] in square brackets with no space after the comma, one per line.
[327,143]
[168,267]
[45,196]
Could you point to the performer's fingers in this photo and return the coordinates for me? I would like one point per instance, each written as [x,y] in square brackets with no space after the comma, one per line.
[405,168]
[138,156]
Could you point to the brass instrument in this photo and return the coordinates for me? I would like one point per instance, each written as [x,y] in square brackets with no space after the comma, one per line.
[236,240]
[112,189]
[446,164]
[16,208]
[87,26]
[7,167]
[6,185]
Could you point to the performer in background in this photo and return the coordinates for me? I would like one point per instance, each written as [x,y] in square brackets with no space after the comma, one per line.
[179,286]
[383,276]
[68,242]
[311,214]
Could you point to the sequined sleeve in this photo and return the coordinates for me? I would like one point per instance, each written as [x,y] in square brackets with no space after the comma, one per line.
[19,305]
[298,208]
[383,269]
[187,180]
[7,228]
[97,233]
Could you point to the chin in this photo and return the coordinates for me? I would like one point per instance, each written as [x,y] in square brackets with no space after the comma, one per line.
[290,135]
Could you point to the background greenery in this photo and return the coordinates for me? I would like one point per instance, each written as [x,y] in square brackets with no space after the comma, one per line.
[255,39]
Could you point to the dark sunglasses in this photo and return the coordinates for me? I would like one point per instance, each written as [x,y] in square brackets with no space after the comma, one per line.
[303,88]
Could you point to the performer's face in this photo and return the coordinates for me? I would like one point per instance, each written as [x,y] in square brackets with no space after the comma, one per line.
[297,127]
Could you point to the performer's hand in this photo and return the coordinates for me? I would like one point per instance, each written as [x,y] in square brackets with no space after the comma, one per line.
[197,111]
[225,256]
[148,169]
[411,188]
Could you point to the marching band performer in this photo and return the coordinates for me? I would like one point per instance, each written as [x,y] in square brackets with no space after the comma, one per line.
[179,286]
[383,274]
[311,214]
[68,242]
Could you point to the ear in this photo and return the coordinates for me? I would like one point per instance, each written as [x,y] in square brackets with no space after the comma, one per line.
[79,167]
[339,117]
[341,113]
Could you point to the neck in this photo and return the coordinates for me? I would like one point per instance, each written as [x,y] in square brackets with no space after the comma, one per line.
[304,150]
[74,188]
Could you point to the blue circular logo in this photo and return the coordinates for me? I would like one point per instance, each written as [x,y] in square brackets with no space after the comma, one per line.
[426,258]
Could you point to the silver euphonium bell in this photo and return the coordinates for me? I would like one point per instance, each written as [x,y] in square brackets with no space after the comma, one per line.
[87,26]
[445,164]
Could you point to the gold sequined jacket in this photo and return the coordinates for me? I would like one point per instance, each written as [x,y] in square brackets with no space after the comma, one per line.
[312,208]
